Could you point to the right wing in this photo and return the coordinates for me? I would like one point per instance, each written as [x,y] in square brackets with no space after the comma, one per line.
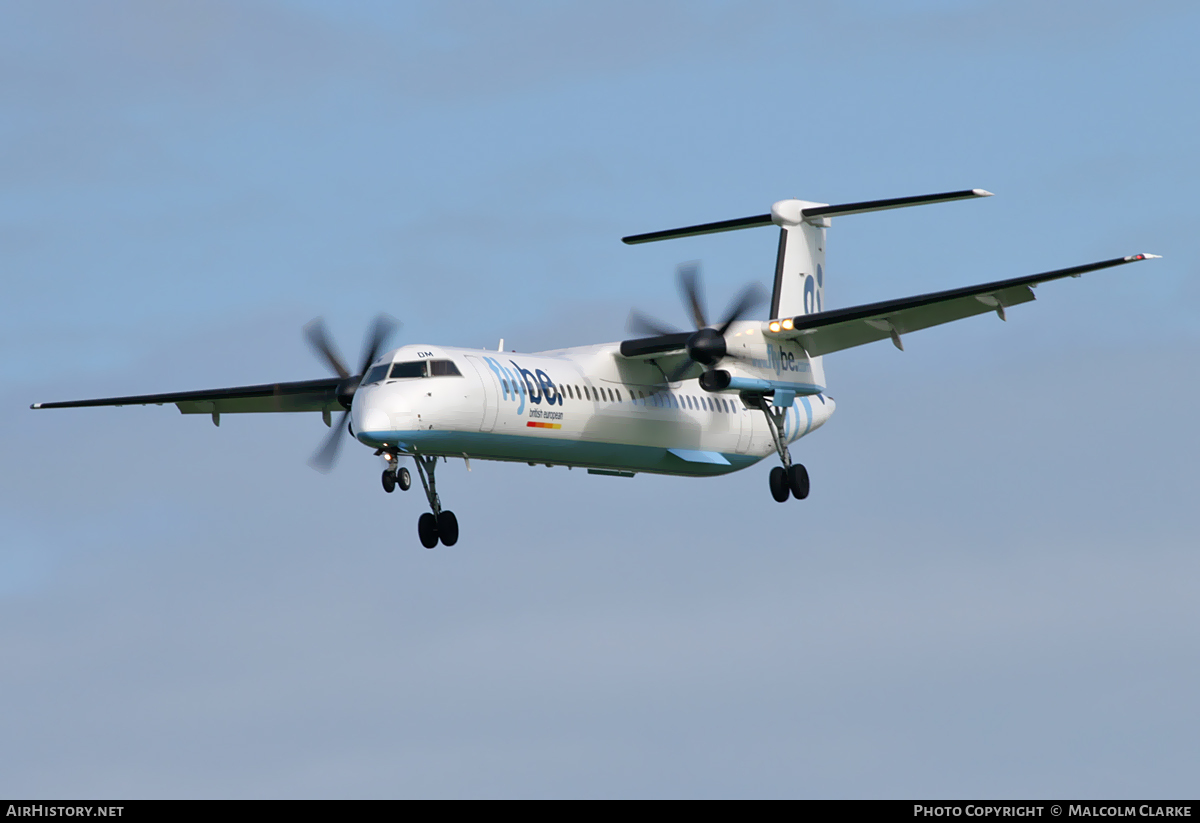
[831,331]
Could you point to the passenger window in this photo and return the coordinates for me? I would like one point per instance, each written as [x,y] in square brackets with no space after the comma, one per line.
[414,368]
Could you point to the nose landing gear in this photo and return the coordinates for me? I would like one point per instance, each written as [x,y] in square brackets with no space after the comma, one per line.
[397,477]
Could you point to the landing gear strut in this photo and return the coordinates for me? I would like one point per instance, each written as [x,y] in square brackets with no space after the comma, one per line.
[790,479]
[438,524]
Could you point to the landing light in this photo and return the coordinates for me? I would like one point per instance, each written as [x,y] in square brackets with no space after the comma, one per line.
[774,325]
[787,324]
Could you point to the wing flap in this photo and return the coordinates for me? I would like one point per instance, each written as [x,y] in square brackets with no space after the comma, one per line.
[850,333]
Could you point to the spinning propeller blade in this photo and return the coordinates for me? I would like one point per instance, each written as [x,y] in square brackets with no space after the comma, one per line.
[382,328]
[644,324]
[706,345]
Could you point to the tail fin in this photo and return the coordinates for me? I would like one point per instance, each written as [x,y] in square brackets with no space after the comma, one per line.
[800,262]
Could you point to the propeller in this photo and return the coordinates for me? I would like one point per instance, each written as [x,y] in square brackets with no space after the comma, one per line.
[382,328]
[706,345]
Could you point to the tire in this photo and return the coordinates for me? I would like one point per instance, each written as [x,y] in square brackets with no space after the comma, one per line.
[389,481]
[447,526]
[798,481]
[427,530]
[779,484]
[403,479]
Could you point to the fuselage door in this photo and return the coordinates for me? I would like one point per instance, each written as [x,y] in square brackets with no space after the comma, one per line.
[491,393]
[745,423]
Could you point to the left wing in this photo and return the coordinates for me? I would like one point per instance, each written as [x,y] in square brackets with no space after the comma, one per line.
[831,331]
[306,395]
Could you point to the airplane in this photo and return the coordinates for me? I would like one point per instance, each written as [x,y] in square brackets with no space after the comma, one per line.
[700,403]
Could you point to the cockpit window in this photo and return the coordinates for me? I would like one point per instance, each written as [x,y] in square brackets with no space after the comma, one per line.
[415,368]
[376,373]
[444,368]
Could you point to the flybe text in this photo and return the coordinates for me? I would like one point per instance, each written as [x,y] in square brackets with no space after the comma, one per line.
[781,361]
[520,384]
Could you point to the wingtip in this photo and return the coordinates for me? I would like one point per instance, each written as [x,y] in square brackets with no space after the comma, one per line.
[35,405]
[982,193]
[1133,257]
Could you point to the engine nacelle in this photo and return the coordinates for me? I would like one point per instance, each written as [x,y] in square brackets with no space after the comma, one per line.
[715,380]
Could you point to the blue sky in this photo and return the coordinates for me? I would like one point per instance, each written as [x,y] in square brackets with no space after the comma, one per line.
[989,592]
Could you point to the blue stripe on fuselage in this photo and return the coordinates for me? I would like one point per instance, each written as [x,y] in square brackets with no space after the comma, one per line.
[490,445]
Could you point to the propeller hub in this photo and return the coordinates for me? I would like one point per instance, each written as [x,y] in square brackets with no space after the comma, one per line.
[346,389]
[706,347]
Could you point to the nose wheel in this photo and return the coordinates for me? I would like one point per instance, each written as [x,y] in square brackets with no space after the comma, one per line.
[399,477]
[436,526]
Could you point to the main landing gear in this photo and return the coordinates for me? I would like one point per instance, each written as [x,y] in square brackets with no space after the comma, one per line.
[432,527]
[438,525]
[790,479]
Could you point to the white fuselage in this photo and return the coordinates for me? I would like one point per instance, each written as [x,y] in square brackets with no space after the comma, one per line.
[586,407]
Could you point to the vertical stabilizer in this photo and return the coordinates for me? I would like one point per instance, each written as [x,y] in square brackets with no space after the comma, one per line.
[800,261]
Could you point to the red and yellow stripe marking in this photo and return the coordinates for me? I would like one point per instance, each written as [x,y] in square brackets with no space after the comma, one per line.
[537,424]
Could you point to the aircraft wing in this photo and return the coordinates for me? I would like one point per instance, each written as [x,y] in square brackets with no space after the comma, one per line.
[302,396]
[831,331]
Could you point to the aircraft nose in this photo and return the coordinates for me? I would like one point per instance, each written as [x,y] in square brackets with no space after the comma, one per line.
[372,420]
[368,417]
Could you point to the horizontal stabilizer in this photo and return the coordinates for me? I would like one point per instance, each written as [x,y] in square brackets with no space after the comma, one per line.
[894,203]
[703,228]
[784,213]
